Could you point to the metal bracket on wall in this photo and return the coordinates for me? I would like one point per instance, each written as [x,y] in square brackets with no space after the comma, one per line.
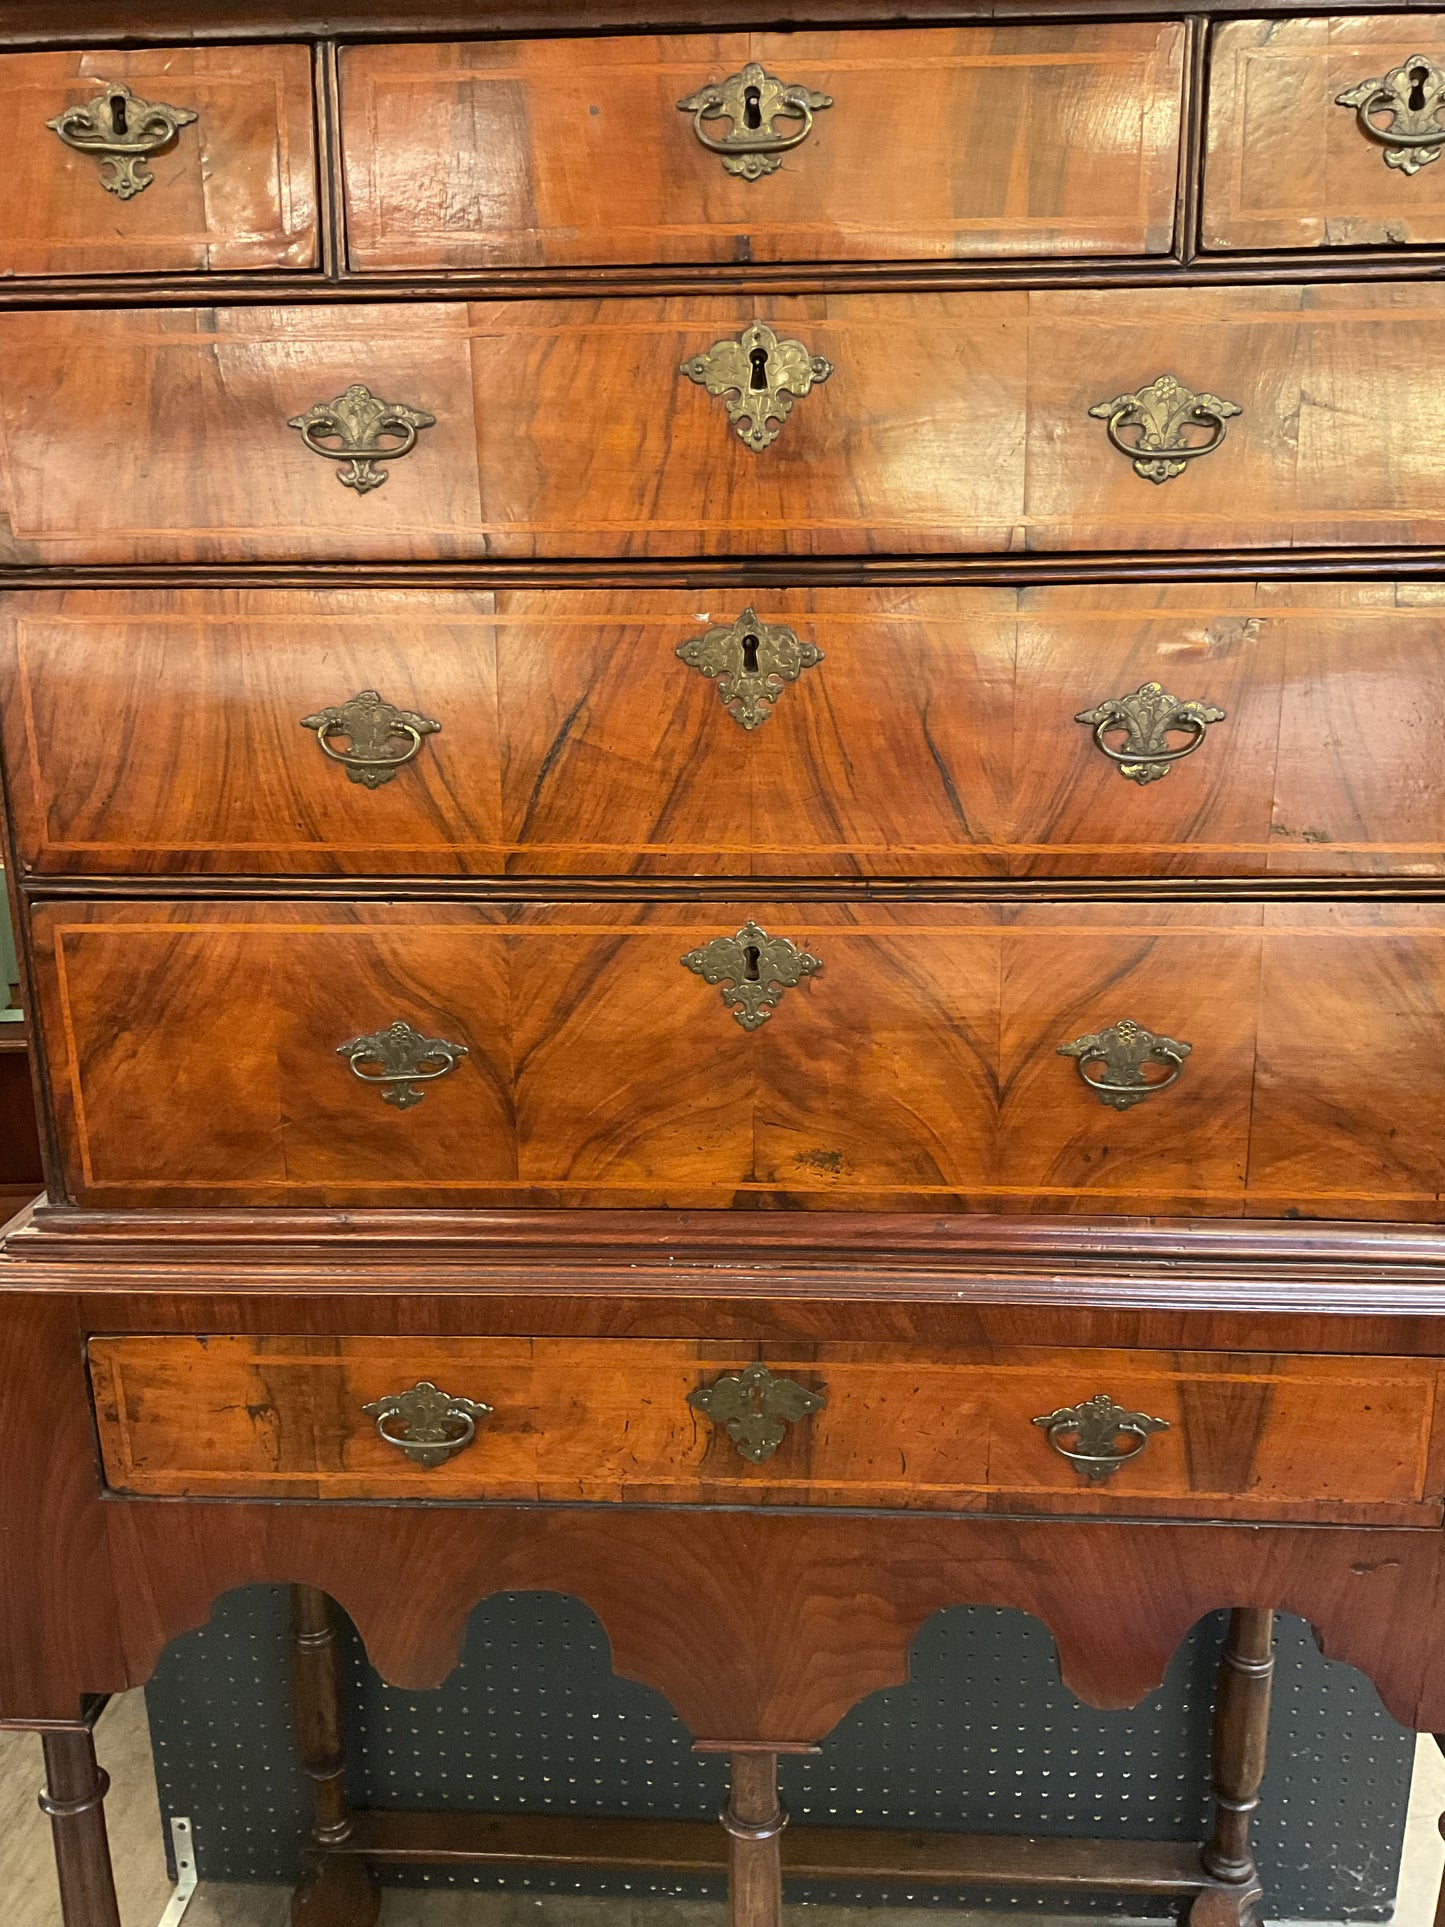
[183,1848]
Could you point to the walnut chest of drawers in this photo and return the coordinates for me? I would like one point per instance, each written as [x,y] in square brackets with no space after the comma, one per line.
[722,752]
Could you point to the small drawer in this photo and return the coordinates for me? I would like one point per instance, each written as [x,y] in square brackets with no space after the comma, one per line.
[1326,132]
[1227,1060]
[929,144]
[1187,1435]
[158,159]
[909,731]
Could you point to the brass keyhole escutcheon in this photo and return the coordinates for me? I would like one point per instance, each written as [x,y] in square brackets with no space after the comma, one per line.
[122,131]
[759,378]
[766,118]
[1401,113]
[753,970]
[751,663]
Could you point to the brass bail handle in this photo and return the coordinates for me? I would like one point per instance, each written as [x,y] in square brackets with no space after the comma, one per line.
[427,1425]
[1133,755]
[1179,449]
[751,100]
[353,761]
[1096,1425]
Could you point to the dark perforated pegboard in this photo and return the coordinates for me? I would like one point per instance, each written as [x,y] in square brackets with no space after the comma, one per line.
[982,1738]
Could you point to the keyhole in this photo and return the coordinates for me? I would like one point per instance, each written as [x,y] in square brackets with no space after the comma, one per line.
[750,655]
[117,114]
[752,108]
[751,954]
[1418,77]
[759,359]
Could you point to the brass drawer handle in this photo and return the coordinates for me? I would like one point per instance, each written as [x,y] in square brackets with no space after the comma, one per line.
[428,1425]
[122,131]
[403,1054]
[1124,1049]
[1162,414]
[372,727]
[756,1409]
[750,662]
[751,100]
[354,428]
[753,969]
[1146,718]
[764,375]
[1412,94]
[1096,1426]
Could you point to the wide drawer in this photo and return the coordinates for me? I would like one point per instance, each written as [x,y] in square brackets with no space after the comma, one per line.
[1326,132]
[927,144]
[212,165]
[970,421]
[903,731]
[850,1055]
[700,1422]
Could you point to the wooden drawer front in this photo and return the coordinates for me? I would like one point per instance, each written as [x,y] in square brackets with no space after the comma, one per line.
[235,188]
[609,1419]
[937,144]
[1289,164]
[196,1052]
[567,428]
[937,735]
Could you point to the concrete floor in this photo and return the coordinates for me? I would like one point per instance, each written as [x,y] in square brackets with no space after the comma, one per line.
[27,1883]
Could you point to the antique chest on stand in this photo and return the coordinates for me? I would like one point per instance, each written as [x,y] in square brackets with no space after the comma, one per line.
[722,756]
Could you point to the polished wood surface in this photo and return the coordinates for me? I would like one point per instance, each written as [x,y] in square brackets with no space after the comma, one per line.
[236,190]
[896,1189]
[935,1428]
[951,422]
[158,733]
[918,1070]
[1015,141]
[1288,167]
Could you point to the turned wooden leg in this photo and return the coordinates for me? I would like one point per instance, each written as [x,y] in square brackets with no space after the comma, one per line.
[1241,1737]
[754,1819]
[74,1799]
[341,1890]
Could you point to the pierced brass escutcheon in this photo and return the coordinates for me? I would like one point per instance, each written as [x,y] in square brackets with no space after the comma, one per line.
[754,970]
[122,131]
[750,661]
[1096,1426]
[756,1409]
[428,1425]
[1124,1049]
[373,728]
[1163,413]
[752,100]
[760,377]
[1413,95]
[403,1054]
[353,428]
[1146,718]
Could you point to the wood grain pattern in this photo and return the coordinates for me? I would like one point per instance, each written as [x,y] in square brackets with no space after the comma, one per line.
[1289,168]
[154,733]
[952,423]
[917,1071]
[940,145]
[235,191]
[608,1420]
